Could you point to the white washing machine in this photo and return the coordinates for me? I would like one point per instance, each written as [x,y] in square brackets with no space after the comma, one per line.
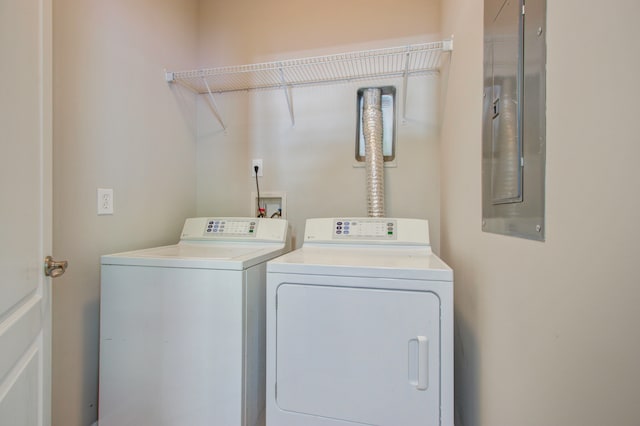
[360,327]
[182,327]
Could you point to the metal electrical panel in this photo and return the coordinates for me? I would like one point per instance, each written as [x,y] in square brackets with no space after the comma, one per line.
[513,135]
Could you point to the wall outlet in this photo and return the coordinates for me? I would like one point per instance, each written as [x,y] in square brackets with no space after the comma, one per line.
[105,201]
[256,162]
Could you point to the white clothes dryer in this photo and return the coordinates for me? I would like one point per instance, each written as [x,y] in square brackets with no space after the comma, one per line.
[182,327]
[360,327]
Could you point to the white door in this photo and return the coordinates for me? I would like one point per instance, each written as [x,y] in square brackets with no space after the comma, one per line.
[25,212]
[358,355]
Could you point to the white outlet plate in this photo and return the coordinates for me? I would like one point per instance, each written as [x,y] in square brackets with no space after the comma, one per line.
[256,162]
[105,201]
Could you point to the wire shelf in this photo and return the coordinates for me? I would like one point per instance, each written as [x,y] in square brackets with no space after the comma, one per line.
[388,62]
[379,63]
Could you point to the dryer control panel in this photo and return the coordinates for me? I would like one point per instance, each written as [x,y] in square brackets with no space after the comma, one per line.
[367,230]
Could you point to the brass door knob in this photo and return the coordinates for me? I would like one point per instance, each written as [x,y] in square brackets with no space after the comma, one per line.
[53,268]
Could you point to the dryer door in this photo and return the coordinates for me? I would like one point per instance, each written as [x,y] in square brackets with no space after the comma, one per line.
[361,355]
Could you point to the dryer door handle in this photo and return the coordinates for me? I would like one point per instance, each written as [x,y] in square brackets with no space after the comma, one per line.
[419,362]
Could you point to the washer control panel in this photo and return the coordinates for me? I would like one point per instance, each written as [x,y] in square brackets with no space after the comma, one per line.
[232,227]
[377,229]
[246,229]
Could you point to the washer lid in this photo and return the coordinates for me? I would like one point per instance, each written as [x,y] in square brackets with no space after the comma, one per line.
[202,256]
[417,263]
[234,243]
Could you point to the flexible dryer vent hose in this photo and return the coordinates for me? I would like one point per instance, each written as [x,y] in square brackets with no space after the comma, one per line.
[372,129]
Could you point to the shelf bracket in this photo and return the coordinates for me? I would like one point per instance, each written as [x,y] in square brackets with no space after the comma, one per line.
[405,83]
[287,95]
[214,105]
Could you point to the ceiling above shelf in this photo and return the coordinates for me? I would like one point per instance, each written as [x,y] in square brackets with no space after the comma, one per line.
[388,62]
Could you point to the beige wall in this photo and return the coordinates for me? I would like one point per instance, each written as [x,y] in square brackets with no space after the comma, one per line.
[245,31]
[546,332]
[313,161]
[116,124]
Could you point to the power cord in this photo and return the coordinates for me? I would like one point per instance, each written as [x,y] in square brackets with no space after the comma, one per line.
[261,211]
